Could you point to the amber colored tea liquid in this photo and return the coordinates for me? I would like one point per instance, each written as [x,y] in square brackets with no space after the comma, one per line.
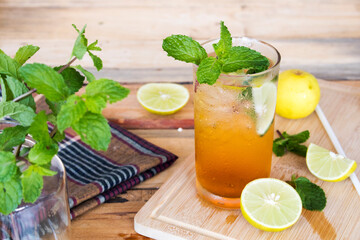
[229,152]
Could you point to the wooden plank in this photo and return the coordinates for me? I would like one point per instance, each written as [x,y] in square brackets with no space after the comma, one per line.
[138,61]
[176,212]
[260,20]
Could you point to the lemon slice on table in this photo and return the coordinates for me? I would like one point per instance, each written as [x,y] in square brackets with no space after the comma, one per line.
[162,98]
[264,99]
[270,204]
[328,166]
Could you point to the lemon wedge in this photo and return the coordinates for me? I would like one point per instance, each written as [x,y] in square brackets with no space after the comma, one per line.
[328,166]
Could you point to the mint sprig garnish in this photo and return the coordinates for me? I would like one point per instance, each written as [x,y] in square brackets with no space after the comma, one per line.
[228,58]
[184,48]
[290,143]
[312,196]
[22,168]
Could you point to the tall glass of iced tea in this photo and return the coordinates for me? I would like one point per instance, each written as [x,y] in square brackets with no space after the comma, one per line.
[234,127]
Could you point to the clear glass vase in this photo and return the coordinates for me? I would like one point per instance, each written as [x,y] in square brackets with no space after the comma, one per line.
[48,217]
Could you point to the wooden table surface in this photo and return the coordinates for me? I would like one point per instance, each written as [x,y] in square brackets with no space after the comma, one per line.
[322,37]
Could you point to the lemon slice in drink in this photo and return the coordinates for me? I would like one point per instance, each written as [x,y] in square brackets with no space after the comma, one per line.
[264,98]
[162,98]
[270,204]
[328,166]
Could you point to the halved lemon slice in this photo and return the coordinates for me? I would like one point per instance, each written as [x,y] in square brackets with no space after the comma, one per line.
[328,166]
[162,98]
[270,204]
[264,99]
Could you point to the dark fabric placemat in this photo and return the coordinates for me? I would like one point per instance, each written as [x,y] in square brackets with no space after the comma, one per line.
[93,177]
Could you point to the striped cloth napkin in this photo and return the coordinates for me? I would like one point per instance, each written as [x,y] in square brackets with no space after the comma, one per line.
[94,177]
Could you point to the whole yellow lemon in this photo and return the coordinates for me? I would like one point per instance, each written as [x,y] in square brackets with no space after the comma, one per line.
[298,94]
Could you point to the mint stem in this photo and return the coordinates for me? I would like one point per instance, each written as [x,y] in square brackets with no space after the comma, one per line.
[53,132]
[278,132]
[21,97]
[67,65]
[17,152]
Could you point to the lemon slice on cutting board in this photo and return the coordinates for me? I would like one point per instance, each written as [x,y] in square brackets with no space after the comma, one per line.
[162,98]
[328,166]
[264,98]
[270,204]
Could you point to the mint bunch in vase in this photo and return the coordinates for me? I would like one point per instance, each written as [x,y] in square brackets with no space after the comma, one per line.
[29,167]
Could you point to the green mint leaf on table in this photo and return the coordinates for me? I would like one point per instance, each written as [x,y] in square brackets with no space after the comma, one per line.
[89,76]
[24,53]
[20,112]
[10,195]
[32,184]
[225,43]
[184,48]
[46,80]
[80,46]
[312,196]
[12,136]
[18,88]
[93,47]
[240,57]
[73,79]
[94,130]
[291,143]
[8,66]
[209,71]
[71,112]
[97,61]
[7,166]
[42,152]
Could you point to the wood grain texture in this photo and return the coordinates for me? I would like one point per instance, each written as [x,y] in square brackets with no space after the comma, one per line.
[176,212]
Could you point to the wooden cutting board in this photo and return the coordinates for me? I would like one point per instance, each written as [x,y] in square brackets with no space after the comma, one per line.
[176,212]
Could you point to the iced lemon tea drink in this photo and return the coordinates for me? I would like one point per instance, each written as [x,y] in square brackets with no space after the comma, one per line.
[234,128]
[235,95]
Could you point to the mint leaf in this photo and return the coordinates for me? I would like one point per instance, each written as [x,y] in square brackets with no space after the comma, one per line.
[71,112]
[10,195]
[43,171]
[5,90]
[39,128]
[300,137]
[23,114]
[95,103]
[89,76]
[55,106]
[46,80]
[184,48]
[225,43]
[73,79]
[312,196]
[8,66]
[12,136]
[80,46]
[24,53]
[94,130]
[42,153]
[18,88]
[97,61]
[208,71]
[244,58]
[7,166]
[93,47]
[291,143]
[108,89]
[32,184]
